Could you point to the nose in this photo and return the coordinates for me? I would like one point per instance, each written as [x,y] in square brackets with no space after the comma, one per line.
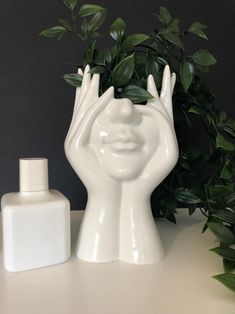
[123,111]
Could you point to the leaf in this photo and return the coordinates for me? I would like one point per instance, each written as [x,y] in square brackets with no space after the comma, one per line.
[89,53]
[97,20]
[123,71]
[197,25]
[70,3]
[197,29]
[162,60]
[173,38]
[221,142]
[65,24]
[226,216]
[229,131]
[186,196]
[98,69]
[226,279]
[173,27]
[90,9]
[220,192]
[152,67]
[230,199]
[226,171]
[191,209]
[204,57]
[164,16]
[117,29]
[197,110]
[190,153]
[133,40]
[136,94]
[187,74]
[225,252]
[229,266]
[56,31]
[73,79]
[223,233]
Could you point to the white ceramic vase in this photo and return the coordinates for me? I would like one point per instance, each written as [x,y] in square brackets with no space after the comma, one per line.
[121,152]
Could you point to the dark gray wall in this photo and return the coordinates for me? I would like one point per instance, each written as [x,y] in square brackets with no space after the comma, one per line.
[36,104]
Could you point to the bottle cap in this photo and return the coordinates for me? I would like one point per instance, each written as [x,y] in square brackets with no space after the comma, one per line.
[33,174]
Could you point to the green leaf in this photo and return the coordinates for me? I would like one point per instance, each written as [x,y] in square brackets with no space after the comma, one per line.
[190,153]
[162,60]
[187,74]
[123,71]
[204,57]
[90,9]
[70,3]
[220,192]
[89,53]
[196,110]
[225,252]
[152,67]
[133,40]
[98,69]
[229,131]
[223,233]
[97,20]
[229,266]
[65,24]
[226,171]
[56,31]
[226,279]
[197,25]
[164,16]
[173,38]
[136,94]
[186,196]
[117,29]
[197,29]
[221,142]
[191,209]
[173,27]
[226,216]
[230,199]
[73,79]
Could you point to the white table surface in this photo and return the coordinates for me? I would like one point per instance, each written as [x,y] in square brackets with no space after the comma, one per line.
[180,284]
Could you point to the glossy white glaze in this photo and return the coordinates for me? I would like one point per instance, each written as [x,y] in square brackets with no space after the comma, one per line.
[121,152]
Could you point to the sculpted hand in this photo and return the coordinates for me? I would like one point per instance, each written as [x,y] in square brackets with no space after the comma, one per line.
[166,154]
[87,107]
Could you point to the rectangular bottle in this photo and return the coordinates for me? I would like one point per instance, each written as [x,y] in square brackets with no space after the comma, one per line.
[35,221]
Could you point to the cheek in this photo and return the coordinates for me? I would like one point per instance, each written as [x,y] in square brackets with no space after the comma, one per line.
[148,130]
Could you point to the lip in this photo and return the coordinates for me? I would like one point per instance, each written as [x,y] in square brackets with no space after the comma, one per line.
[120,146]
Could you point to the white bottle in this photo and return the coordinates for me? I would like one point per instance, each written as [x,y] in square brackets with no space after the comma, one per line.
[35,221]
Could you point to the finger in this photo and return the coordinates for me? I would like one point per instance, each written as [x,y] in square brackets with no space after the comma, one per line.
[77,94]
[151,87]
[155,102]
[166,82]
[80,71]
[94,87]
[166,92]
[83,129]
[86,81]
[173,81]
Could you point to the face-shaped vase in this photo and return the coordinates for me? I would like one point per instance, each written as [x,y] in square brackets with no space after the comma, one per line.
[124,137]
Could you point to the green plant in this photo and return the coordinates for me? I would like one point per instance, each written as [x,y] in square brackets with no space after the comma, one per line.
[204,181]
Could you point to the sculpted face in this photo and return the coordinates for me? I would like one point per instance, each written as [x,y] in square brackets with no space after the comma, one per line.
[124,138]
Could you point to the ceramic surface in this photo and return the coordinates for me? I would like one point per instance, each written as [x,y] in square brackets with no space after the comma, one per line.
[121,152]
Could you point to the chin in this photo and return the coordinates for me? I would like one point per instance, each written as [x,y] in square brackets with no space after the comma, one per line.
[123,174]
